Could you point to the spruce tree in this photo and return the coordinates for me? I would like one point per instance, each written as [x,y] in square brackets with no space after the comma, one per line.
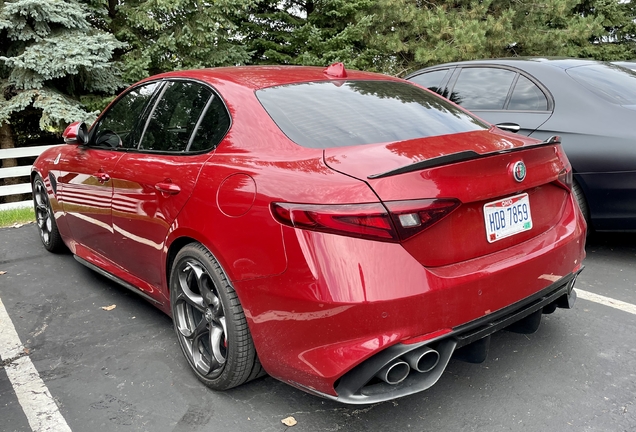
[50,57]
[165,35]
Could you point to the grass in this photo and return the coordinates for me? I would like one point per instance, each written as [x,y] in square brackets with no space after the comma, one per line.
[16,216]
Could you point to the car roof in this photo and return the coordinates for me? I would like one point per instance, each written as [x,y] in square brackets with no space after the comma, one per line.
[258,77]
[557,62]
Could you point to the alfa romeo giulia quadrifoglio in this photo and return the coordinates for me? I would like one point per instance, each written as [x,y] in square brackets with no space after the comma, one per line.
[344,232]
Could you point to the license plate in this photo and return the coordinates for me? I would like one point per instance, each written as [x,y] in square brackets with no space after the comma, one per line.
[507,217]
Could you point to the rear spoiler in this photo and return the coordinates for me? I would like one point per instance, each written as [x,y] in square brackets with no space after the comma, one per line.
[460,157]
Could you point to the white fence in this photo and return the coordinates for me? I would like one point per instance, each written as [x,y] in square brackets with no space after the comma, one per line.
[19,171]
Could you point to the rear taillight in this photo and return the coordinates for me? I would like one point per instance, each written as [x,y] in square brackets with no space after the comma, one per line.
[401,221]
[413,217]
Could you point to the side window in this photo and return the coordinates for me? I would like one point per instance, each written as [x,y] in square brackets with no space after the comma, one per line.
[482,88]
[212,127]
[118,126]
[431,80]
[174,117]
[527,97]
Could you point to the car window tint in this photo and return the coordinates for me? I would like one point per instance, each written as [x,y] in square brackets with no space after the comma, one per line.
[431,80]
[212,126]
[346,113]
[482,88]
[119,127]
[174,117]
[613,83]
[527,96]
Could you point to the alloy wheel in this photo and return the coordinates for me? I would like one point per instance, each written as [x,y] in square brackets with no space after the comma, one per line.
[43,215]
[200,319]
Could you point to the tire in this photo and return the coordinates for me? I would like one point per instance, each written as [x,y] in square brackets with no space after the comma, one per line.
[580,199]
[45,219]
[209,321]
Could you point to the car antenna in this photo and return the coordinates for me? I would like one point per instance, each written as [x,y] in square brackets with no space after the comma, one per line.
[336,70]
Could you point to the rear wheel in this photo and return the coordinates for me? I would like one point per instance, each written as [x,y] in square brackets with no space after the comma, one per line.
[44,218]
[209,321]
[580,199]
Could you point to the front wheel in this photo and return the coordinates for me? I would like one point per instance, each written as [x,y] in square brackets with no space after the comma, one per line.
[44,217]
[209,321]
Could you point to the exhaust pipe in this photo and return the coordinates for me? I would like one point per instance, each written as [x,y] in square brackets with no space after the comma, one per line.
[422,360]
[394,373]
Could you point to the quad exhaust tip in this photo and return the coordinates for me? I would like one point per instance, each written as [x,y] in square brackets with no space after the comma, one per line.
[422,360]
[395,372]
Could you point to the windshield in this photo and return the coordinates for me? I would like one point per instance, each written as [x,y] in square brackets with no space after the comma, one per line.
[614,84]
[345,113]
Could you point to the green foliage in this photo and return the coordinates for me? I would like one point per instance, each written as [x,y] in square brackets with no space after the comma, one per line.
[51,56]
[397,36]
[310,32]
[412,34]
[166,35]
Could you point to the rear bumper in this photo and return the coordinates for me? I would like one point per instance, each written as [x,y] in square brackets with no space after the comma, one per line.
[344,302]
[359,386]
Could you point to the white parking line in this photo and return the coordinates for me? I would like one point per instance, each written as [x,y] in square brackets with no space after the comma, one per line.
[36,400]
[607,301]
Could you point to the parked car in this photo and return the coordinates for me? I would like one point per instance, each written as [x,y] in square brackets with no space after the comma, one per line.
[629,64]
[346,232]
[590,104]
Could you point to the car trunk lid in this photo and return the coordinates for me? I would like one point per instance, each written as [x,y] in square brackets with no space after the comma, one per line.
[475,168]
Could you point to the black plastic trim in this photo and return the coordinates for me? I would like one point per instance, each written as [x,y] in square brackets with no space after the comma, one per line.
[482,327]
[115,279]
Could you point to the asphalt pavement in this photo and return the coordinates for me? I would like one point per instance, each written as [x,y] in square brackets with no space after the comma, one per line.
[122,370]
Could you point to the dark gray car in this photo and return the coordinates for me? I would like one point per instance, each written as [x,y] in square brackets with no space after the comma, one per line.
[590,104]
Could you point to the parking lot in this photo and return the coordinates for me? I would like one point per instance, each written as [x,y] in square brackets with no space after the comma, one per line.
[122,370]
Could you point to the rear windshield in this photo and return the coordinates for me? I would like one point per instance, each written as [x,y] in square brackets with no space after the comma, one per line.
[346,113]
[615,84]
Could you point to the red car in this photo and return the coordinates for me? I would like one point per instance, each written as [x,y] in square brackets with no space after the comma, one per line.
[346,232]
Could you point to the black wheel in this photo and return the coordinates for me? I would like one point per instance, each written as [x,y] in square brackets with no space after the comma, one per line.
[44,217]
[580,199]
[209,321]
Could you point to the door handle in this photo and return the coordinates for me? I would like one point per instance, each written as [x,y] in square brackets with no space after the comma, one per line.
[102,177]
[510,127]
[168,188]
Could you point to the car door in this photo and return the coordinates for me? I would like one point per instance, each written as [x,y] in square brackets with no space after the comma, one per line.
[502,96]
[153,182]
[85,185]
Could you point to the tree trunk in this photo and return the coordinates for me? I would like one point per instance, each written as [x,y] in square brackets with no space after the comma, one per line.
[6,142]
[112,5]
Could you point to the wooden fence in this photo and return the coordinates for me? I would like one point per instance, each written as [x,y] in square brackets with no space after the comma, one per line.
[19,171]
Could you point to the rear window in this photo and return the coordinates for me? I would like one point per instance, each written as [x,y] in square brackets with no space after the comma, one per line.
[615,84]
[338,114]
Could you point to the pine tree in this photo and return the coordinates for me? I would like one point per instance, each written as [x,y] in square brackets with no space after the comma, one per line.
[309,32]
[166,35]
[49,57]
[411,34]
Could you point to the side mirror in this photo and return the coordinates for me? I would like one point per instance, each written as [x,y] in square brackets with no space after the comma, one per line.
[76,133]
